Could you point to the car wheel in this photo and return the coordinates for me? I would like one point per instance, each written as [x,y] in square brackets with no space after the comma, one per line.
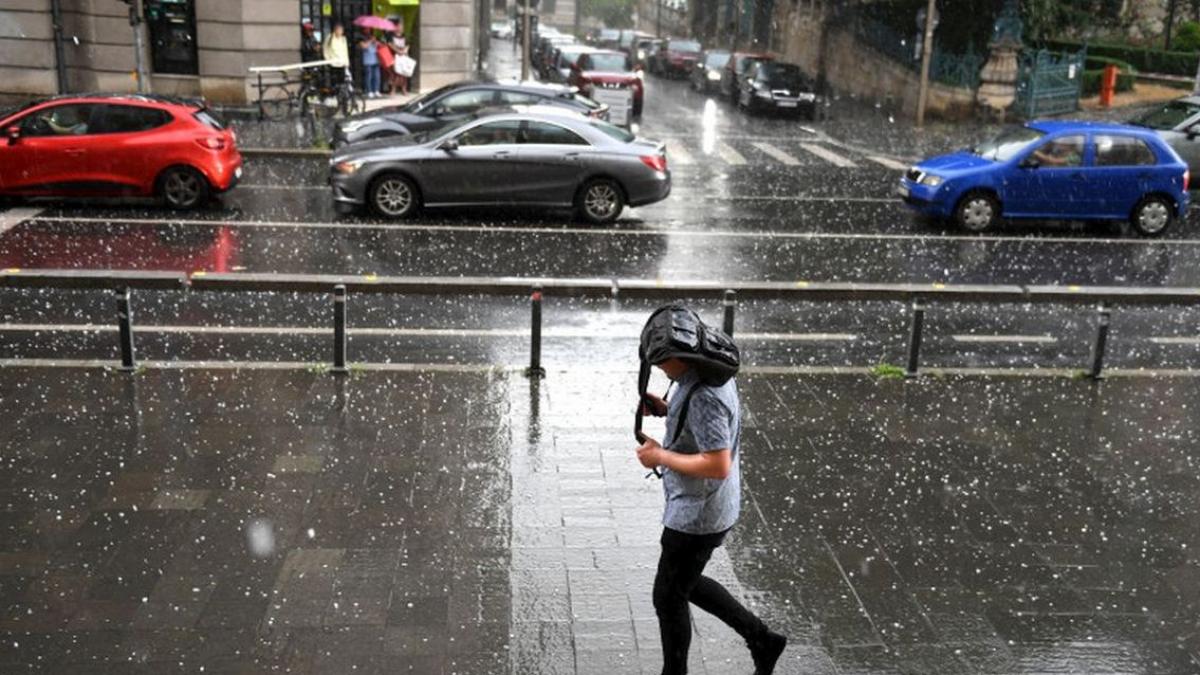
[600,201]
[182,187]
[977,212]
[1152,216]
[393,196]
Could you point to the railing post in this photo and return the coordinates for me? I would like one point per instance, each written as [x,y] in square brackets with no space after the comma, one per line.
[1103,319]
[339,329]
[125,326]
[730,306]
[914,337]
[535,334]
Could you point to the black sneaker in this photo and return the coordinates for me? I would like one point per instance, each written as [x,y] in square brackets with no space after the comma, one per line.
[766,653]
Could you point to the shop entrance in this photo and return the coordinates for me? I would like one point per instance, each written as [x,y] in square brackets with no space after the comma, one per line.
[324,14]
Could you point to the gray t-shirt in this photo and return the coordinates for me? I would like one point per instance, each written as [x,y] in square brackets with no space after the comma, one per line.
[714,422]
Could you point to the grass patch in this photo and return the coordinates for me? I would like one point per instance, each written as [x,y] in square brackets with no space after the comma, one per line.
[887,371]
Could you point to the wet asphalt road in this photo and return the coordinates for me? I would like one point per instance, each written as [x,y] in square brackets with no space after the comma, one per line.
[754,199]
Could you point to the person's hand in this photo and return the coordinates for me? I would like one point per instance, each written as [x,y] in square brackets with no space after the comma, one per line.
[654,405]
[649,453]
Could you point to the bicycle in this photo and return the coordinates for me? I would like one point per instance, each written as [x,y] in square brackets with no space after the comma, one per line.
[309,96]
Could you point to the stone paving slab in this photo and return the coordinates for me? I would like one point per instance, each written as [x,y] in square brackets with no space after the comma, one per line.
[477,522]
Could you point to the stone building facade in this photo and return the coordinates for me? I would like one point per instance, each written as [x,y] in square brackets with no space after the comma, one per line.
[196,47]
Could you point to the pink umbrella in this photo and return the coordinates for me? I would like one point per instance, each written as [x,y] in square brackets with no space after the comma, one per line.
[375,23]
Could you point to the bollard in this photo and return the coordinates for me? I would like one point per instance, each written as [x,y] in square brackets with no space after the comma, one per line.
[535,334]
[730,306]
[1103,319]
[125,325]
[914,337]
[339,330]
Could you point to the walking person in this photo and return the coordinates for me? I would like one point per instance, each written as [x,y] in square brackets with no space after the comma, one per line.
[369,51]
[700,468]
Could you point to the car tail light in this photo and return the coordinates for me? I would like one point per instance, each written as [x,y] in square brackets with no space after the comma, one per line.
[1187,179]
[656,162]
[212,143]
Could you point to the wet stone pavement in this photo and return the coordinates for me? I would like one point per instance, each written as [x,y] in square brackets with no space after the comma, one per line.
[469,520]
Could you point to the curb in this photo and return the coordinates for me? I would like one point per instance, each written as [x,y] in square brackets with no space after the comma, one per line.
[285,152]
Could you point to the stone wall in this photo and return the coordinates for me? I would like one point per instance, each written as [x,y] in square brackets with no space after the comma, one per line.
[850,67]
[26,48]
[448,42]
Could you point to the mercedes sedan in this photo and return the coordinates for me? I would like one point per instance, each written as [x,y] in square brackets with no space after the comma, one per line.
[456,102]
[505,159]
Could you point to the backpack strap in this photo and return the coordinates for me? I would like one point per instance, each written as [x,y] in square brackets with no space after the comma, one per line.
[683,411]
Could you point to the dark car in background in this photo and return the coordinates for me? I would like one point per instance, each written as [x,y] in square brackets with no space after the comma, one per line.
[458,101]
[706,76]
[644,50]
[611,70]
[118,145]
[1178,122]
[544,47]
[735,69]
[779,87]
[676,58]
[552,161]
[605,38]
[560,63]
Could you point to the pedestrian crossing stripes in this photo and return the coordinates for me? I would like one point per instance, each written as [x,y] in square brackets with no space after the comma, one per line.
[678,154]
[730,155]
[828,155]
[778,154]
[888,163]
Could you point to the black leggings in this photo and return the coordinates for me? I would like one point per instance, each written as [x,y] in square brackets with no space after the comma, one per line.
[680,580]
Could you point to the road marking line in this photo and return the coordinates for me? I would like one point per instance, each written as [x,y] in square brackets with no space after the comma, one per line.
[730,155]
[679,154]
[828,155]
[393,332]
[778,154]
[616,232]
[889,163]
[998,339]
[1175,340]
[14,217]
[259,186]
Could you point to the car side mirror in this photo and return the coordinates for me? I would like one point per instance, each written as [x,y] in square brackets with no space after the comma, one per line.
[13,133]
[450,145]
[1193,131]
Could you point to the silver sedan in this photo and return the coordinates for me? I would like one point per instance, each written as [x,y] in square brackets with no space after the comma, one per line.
[505,158]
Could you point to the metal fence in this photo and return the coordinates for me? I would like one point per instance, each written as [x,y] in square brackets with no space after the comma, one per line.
[340,287]
[955,70]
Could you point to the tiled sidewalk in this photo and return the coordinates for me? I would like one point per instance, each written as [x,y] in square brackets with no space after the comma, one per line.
[476,522]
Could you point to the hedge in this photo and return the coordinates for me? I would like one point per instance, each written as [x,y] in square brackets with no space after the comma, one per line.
[1144,59]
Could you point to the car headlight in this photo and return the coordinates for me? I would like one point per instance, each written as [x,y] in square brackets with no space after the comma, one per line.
[931,180]
[641,55]
[348,167]
[714,75]
[762,93]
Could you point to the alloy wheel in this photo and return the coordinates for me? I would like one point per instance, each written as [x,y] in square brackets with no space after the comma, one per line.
[601,201]
[182,188]
[394,197]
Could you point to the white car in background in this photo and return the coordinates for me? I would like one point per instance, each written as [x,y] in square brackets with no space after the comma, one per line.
[502,30]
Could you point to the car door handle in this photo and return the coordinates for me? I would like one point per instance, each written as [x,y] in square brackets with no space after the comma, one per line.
[501,154]
[572,156]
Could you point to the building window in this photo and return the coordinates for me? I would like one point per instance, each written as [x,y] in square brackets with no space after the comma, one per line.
[172,26]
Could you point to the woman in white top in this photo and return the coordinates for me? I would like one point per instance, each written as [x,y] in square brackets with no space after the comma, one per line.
[401,72]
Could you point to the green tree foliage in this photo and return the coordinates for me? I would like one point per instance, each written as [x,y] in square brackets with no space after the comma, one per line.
[614,13]
[1056,19]
[1187,37]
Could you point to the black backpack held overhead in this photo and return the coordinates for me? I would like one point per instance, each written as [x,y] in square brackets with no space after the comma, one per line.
[676,331]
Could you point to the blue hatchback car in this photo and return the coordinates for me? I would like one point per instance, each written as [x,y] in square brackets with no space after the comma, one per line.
[1058,170]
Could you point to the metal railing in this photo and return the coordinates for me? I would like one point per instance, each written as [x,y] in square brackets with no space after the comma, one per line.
[340,287]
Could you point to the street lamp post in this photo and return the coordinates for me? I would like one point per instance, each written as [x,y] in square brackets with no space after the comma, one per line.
[525,42]
[135,22]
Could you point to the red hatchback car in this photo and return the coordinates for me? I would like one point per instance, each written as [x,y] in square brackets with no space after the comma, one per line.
[117,145]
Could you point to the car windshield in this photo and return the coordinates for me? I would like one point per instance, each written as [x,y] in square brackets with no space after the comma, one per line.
[1168,116]
[782,75]
[717,60]
[614,131]
[683,46]
[609,62]
[203,117]
[1008,144]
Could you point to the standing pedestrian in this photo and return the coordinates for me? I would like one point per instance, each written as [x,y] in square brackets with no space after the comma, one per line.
[368,48]
[310,48]
[405,65]
[387,64]
[337,53]
[699,464]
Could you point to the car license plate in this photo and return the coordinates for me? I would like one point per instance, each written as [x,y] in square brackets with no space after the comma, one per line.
[787,104]
[902,190]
